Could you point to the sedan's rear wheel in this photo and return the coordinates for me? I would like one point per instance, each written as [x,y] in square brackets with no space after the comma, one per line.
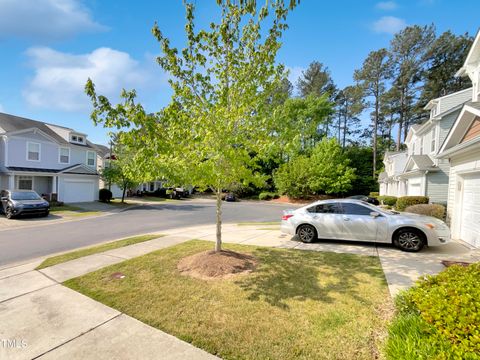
[307,233]
[410,240]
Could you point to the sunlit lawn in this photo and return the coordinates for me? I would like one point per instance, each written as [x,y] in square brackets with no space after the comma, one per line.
[72,255]
[296,304]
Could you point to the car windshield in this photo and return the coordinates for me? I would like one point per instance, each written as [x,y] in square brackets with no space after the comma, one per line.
[25,195]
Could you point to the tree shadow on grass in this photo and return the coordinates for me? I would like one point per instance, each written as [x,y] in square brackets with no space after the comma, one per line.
[284,275]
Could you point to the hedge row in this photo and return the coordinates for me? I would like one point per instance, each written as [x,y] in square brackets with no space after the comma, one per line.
[406,201]
[439,318]
[268,196]
[435,210]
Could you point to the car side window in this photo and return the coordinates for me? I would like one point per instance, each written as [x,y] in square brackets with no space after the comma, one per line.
[355,209]
[324,209]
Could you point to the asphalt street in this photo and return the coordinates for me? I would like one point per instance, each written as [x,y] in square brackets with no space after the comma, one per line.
[18,245]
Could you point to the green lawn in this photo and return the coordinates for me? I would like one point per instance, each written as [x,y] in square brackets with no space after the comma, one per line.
[296,304]
[54,260]
[63,208]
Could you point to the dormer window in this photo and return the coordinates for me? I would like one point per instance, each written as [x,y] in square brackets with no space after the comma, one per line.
[78,139]
[421,146]
[434,138]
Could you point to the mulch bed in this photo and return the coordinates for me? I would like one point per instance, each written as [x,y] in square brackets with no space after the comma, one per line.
[210,265]
[448,263]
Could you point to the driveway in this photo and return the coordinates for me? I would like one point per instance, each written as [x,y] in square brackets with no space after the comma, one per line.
[87,210]
[22,244]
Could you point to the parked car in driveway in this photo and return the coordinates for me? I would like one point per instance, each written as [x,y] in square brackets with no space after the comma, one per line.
[368,199]
[350,219]
[23,202]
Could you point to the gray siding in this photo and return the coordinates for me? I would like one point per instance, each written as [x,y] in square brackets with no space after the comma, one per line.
[446,124]
[17,153]
[456,99]
[437,187]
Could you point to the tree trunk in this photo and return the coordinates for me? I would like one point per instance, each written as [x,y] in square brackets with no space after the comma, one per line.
[375,129]
[123,192]
[218,243]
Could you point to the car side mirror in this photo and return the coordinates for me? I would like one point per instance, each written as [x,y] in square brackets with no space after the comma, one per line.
[374,214]
[4,198]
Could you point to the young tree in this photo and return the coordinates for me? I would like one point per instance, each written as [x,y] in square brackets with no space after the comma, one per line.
[371,78]
[326,171]
[120,168]
[350,105]
[219,114]
[407,50]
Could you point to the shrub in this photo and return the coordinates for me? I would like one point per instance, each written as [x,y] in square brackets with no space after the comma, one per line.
[406,201]
[387,200]
[374,194]
[268,196]
[447,308]
[104,195]
[435,210]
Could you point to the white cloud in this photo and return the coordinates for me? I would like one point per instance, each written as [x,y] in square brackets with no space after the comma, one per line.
[52,19]
[389,25]
[386,5]
[59,78]
[1,108]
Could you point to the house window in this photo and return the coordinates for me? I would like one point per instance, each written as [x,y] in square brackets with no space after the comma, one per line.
[77,139]
[152,186]
[90,158]
[434,139]
[421,146]
[33,151]
[64,155]
[413,149]
[25,183]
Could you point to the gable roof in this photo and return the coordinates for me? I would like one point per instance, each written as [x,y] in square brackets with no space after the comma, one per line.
[74,169]
[453,142]
[11,123]
[422,162]
[413,129]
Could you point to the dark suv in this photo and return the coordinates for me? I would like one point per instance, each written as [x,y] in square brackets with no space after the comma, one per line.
[23,202]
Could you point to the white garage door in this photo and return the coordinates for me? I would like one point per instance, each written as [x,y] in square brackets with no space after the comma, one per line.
[78,191]
[470,214]
[414,188]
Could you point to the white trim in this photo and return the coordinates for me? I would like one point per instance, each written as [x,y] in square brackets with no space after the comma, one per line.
[34,130]
[94,159]
[453,130]
[60,155]
[18,182]
[39,151]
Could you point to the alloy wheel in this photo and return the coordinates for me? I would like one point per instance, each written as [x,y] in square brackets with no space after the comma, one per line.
[409,240]
[306,233]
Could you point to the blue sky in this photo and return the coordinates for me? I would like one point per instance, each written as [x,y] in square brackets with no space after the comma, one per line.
[48,48]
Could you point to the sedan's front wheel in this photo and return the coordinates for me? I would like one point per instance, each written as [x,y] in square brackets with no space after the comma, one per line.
[9,212]
[307,233]
[410,240]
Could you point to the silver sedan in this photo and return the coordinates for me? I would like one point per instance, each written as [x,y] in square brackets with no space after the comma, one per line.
[355,220]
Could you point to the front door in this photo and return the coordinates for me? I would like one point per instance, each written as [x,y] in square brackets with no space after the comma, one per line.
[327,219]
[359,225]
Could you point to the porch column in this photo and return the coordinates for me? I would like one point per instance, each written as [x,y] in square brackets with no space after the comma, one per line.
[54,185]
[11,182]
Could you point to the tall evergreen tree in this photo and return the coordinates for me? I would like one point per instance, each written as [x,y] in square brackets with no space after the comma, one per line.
[407,50]
[442,60]
[350,104]
[316,80]
[371,78]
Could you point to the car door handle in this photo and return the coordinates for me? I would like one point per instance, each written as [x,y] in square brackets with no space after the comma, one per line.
[346,218]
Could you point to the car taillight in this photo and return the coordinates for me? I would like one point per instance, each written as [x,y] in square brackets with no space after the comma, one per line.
[286,217]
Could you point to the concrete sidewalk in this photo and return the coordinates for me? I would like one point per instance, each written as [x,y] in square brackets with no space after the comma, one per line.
[40,318]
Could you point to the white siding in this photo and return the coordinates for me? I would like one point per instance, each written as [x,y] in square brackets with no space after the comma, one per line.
[459,165]
[450,101]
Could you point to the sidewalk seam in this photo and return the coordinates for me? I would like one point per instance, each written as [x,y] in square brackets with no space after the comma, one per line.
[76,337]
[27,293]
